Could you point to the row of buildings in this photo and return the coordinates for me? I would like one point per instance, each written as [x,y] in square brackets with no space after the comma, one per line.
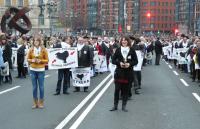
[111,16]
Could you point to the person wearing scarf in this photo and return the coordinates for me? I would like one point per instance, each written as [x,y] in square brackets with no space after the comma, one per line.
[37,58]
[124,58]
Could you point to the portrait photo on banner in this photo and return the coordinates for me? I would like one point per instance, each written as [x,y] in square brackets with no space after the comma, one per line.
[60,58]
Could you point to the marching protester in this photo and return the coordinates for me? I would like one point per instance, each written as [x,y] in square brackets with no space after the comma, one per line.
[158,51]
[196,59]
[2,66]
[137,75]
[124,58]
[21,53]
[85,58]
[7,54]
[37,58]
[63,74]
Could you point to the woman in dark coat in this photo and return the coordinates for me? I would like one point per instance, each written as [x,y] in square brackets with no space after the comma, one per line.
[124,58]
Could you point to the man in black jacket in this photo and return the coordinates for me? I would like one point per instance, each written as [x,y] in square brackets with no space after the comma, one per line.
[20,61]
[158,51]
[85,57]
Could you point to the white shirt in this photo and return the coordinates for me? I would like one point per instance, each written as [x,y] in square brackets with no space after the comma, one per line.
[65,45]
[80,46]
[125,51]
[37,51]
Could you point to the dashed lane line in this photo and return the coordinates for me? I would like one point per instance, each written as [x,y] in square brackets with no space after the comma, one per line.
[175,73]
[170,66]
[8,90]
[46,76]
[184,82]
[196,96]
[89,108]
[83,102]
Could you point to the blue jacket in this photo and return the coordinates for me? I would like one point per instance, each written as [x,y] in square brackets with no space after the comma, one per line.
[1,58]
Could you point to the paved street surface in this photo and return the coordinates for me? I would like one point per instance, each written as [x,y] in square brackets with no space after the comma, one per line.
[168,100]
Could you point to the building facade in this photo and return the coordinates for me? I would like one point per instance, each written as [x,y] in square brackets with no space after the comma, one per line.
[197,17]
[188,16]
[157,16]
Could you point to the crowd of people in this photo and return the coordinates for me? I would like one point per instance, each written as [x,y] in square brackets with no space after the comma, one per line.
[184,52]
[125,56]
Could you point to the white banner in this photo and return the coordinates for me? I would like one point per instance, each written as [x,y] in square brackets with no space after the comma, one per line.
[101,66]
[5,71]
[60,58]
[81,77]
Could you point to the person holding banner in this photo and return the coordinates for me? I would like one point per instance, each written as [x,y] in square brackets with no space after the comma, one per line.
[37,58]
[7,55]
[85,59]
[63,74]
[2,66]
[158,51]
[124,58]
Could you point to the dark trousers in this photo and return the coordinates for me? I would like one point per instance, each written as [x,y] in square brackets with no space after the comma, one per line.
[78,88]
[9,77]
[21,70]
[157,61]
[124,89]
[137,79]
[192,67]
[63,75]
[196,73]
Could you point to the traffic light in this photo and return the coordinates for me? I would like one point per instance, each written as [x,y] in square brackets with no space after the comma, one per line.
[148,14]
[120,28]
[176,31]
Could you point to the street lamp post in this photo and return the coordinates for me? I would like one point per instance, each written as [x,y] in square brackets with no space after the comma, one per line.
[52,7]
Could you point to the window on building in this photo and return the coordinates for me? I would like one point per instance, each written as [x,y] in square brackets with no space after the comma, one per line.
[20,3]
[153,3]
[41,19]
[152,25]
[144,3]
[7,2]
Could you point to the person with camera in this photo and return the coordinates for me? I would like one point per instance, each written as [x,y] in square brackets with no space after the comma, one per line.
[37,58]
[124,58]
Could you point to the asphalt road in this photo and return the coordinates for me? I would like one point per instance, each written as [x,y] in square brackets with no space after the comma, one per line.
[165,102]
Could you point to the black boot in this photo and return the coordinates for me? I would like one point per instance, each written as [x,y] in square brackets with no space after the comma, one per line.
[124,108]
[114,108]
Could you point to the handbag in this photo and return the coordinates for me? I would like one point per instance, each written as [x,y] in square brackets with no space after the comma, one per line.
[120,76]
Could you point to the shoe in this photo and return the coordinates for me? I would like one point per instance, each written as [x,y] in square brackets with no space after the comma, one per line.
[137,92]
[41,104]
[35,104]
[66,93]
[57,93]
[85,90]
[113,109]
[129,98]
[124,109]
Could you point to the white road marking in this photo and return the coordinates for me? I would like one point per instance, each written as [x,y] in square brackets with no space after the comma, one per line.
[46,76]
[89,108]
[196,96]
[2,92]
[83,102]
[167,63]
[184,82]
[175,73]
[170,66]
